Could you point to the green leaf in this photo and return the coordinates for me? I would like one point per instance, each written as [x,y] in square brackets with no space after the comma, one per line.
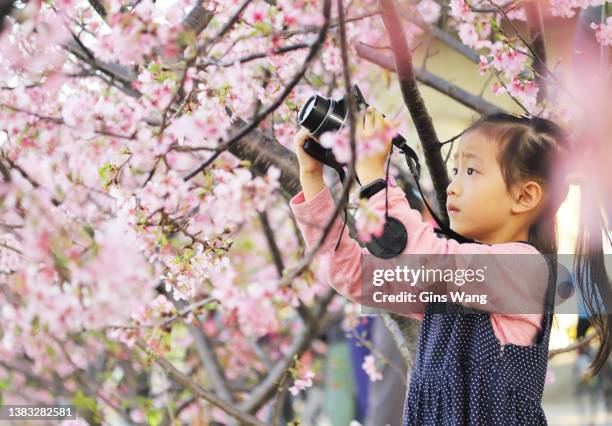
[155,416]
[89,230]
[87,403]
[185,256]
[211,306]
[106,173]
[4,384]
[263,27]
[493,23]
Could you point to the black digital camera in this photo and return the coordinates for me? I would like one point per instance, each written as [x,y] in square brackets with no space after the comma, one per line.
[319,115]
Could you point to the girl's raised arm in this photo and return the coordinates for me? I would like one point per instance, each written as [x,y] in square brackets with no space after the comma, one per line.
[340,268]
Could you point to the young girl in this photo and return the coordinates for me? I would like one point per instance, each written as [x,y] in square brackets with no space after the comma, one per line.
[484,368]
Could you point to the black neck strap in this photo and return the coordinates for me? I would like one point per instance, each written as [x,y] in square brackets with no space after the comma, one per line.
[415,169]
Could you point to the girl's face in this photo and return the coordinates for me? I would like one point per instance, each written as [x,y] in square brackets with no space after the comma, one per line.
[478,202]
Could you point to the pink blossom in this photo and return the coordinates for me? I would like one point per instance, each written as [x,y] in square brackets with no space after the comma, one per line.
[10,260]
[119,275]
[563,8]
[203,126]
[302,383]
[525,90]
[603,32]
[429,10]
[332,59]
[369,222]
[339,143]
[253,305]
[484,63]
[376,140]
[137,416]
[304,12]
[369,366]
[77,112]
[168,192]
[504,58]
[257,13]
[497,88]
[284,133]
[517,13]
[301,12]
[468,34]
[460,9]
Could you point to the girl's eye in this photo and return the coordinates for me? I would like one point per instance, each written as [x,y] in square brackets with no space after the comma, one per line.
[470,171]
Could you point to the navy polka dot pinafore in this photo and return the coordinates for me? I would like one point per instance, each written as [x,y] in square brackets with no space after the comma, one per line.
[463,375]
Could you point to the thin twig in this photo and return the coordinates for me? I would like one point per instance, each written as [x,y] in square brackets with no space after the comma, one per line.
[60,121]
[572,347]
[253,56]
[197,390]
[314,50]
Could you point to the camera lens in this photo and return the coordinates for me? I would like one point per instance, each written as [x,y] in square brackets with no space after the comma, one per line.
[307,109]
[313,113]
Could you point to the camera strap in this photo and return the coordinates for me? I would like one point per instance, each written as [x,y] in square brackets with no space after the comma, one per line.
[394,238]
[415,169]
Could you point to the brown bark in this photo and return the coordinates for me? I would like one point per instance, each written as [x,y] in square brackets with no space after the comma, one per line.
[453,91]
[413,100]
[536,34]
[263,152]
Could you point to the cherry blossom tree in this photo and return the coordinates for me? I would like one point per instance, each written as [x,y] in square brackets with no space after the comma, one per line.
[151,270]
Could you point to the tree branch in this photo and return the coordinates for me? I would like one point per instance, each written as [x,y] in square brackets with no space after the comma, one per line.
[199,391]
[414,102]
[198,18]
[536,34]
[266,389]
[453,91]
[572,347]
[206,354]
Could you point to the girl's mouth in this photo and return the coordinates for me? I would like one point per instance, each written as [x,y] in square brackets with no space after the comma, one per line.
[452,209]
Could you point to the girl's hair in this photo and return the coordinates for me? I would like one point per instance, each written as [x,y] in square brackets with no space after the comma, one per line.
[533,148]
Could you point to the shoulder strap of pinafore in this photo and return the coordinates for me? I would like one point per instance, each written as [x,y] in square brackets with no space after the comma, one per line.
[549,301]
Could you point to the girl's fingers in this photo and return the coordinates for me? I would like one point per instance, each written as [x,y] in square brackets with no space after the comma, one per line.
[379,119]
[372,115]
[370,120]
[362,122]
[301,136]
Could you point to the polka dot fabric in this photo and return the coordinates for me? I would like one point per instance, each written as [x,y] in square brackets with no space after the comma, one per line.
[463,375]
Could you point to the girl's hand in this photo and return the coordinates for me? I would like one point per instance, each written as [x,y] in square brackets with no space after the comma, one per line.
[371,167]
[308,164]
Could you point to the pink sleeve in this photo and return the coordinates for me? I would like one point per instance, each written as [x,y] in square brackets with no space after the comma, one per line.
[342,268]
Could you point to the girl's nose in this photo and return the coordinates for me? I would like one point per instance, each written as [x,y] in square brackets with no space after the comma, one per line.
[451,189]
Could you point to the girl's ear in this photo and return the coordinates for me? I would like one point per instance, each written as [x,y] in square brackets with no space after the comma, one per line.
[528,196]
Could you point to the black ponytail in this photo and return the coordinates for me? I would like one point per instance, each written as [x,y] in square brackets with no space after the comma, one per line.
[592,278]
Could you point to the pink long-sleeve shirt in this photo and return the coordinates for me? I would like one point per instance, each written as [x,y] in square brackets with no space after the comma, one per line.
[341,269]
